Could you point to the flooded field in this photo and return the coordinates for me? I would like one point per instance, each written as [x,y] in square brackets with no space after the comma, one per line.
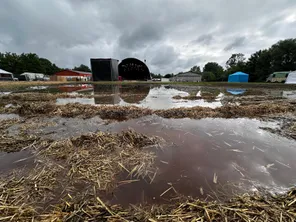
[104,148]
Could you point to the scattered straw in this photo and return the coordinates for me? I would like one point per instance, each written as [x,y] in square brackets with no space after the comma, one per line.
[127,112]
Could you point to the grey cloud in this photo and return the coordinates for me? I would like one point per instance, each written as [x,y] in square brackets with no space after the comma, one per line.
[164,56]
[237,42]
[205,39]
[141,36]
[69,32]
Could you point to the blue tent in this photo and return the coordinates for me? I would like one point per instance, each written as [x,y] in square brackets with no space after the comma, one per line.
[238,77]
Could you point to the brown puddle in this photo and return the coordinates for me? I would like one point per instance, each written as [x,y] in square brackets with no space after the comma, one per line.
[205,155]
[15,161]
[207,158]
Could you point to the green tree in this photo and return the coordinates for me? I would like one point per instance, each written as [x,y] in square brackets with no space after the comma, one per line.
[216,69]
[258,66]
[10,62]
[235,60]
[30,63]
[283,55]
[195,69]
[155,76]
[50,68]
[82,68]
[279,57]
[208,77]
[235,63]
[168,75]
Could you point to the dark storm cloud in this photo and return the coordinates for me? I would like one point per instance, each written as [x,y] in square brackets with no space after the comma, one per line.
[165,55]
[237,42]
[69,32]
[141,36]
[205,39]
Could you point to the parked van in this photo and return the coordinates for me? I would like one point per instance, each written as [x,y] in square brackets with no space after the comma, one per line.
[277,77]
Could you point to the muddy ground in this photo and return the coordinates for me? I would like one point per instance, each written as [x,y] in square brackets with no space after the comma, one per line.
[176,153]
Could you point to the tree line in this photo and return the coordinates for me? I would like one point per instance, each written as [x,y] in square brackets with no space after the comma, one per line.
[31,62]
[279,57]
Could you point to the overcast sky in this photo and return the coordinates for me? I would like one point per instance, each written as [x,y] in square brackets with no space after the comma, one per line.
[172,35]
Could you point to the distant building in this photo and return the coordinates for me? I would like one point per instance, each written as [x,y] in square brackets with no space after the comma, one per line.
[71,75]
[134,69]
[165,79]
[30,76]
[186,77]
[5,76]
[104,69]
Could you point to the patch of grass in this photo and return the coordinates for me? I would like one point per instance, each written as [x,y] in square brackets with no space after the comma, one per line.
[121,113]
[74,168]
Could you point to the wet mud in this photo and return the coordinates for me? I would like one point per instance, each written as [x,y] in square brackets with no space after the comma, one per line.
[94,152]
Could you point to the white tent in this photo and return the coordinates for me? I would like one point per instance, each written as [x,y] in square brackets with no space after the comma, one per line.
[33,76]
[4,72]
[291,79]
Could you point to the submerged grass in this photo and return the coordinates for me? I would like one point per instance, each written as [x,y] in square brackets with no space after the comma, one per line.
[73,177]
[76,167]
[99,157]
[242,208]
[9,143]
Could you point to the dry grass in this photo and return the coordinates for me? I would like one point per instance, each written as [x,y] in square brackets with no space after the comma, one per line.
[72,177]
[75,167]
[253,207]
[229,111]
[16,143]
[19,98]
[6,123]
[9,143]
[252,100]
[121,113]
[99,157]
[192,97]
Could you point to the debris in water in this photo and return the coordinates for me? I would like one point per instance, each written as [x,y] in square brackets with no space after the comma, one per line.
[201,191]
[283,164]
[235,150]
[215,179]
[269,165]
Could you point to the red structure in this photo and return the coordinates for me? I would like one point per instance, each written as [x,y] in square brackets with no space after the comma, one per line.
[72,75]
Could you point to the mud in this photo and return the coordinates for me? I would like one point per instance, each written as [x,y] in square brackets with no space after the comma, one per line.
[210,150]
[16,160]
[287,127]
[240,153]
[127,112]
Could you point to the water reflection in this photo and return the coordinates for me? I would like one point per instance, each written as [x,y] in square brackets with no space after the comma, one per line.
[161,97]
[236,91]
[289,94]
[106,94]
[237,151]
[75,88]
[17,160]
[147,96]
[134,94]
